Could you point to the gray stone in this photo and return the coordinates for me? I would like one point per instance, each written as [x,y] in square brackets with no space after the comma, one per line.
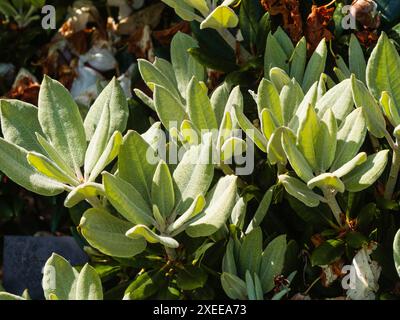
[24,259]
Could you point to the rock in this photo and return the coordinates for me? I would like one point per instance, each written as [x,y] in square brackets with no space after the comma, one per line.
[25,256]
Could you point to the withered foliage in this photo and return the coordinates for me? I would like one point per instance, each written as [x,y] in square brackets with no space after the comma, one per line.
[317,22]
[25,89]
[317,25]
[290,12]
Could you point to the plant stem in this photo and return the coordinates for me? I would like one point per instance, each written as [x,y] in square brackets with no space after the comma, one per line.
[394,169]
[171,253]
[393,175]
[231,41]
[94,202]
[281,168]
[332,203]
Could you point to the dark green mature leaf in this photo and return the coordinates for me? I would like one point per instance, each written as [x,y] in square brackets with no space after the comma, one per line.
[144,286]
[327,252]
[212,62]
[249,16]
[250,253]
[191,278]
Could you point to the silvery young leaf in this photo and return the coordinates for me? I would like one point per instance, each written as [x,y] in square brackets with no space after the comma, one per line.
[150,236]
[299,190]
[106,233]
[367,173]
[61,122]
[88,284]
[350,137]
[295,157]
[383,70]
[315,66]
[184,65]
[220,204]
[127,200]
[113,109]
[59,278]
[14,163]
[363,99]
[19,122]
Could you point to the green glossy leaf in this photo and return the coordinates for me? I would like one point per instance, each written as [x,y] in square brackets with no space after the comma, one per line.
[327,252]
[250,252]
[261,211]
[144,286]
[228,261]
[191,278]
[272,262]
[234,287]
